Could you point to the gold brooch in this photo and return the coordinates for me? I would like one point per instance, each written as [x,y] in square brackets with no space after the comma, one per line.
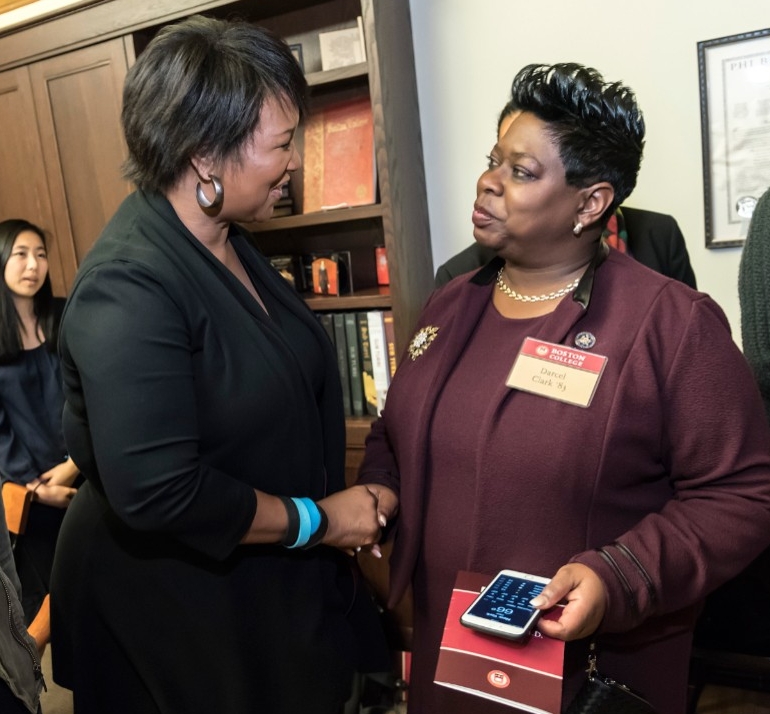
[422,341]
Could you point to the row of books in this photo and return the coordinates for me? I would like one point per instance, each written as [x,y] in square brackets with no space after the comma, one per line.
[366,356]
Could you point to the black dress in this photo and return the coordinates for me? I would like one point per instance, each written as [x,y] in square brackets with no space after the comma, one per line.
[182,396]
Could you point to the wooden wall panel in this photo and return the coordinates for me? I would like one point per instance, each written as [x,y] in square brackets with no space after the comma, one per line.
[24,191]
[78,101]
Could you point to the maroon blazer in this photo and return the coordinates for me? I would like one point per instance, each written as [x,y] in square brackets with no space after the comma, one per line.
[661,486]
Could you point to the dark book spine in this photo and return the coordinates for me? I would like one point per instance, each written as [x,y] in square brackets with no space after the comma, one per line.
[328,324]
[367,372]
[342,361]
[354,364]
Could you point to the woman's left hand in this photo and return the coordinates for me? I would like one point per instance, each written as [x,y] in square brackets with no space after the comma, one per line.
[585,597]
[51,494]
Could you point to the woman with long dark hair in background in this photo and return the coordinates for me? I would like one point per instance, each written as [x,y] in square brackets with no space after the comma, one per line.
[32,450]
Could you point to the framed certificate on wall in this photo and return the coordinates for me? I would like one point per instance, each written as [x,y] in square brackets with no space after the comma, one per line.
[734,75]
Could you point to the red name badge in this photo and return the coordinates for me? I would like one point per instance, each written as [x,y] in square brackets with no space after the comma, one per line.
[557,372]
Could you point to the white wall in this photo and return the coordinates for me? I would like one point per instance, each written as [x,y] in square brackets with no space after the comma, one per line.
[467,52]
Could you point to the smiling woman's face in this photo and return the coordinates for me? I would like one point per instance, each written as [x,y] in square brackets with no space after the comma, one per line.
[253,183]
[27,266]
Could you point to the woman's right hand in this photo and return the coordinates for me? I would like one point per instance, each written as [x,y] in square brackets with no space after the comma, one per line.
[584,597]
[51,494]
[63,474]
[354,518]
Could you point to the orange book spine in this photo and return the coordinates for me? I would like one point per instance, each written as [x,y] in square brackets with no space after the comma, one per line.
[313,163]
[390,337]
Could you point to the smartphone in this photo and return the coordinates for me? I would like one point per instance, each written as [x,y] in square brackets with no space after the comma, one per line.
[503,607]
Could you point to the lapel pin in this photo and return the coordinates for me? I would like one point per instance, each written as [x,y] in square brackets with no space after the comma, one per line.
[585,340]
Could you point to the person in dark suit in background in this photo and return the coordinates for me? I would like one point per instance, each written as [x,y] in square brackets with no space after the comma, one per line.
[654,239]
[754,296]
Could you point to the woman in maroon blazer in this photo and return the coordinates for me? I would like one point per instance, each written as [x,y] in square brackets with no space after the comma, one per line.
[637,496]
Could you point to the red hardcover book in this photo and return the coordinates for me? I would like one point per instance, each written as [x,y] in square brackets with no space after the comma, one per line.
[524,676]
[339,156]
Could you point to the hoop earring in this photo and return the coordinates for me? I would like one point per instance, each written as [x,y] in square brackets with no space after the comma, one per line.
[577,230]
[219,194]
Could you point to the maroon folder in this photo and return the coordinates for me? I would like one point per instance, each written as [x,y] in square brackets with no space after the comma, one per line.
[526,676]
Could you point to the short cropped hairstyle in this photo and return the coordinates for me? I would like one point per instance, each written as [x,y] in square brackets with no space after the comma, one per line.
[198,90]
[597,125]
[509,108]
[11,345]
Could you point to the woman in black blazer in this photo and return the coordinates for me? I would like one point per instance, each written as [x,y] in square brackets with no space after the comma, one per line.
[201,566]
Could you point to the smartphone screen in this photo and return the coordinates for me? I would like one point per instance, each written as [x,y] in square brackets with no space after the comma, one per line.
[503,607]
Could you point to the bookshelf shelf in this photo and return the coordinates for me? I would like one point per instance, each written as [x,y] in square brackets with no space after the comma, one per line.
[338,215]
[358,428]
[315,79]
[371,299]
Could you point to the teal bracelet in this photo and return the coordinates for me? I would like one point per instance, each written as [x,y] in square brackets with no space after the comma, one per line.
[315,514]
[318,536]
[304,523]
[307,523]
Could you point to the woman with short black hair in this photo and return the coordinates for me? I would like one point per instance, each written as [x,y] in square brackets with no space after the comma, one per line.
[201,566]
[567,412]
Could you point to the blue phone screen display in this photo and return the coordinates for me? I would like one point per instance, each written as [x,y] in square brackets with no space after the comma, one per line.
[506,600]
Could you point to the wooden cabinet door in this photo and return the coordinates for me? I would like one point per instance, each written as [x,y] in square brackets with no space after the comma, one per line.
[24,192]
[78,99]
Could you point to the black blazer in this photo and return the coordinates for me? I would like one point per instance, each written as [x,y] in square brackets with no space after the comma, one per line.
[654,239]
[183,396]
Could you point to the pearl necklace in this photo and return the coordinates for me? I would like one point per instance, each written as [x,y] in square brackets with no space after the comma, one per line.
[533,298]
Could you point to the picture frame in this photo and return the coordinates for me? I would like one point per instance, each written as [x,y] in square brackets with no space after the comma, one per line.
[343,47]
[734,79]
[296,50]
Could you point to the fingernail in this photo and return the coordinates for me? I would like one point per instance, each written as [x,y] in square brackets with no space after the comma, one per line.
[382,520]
[537,601]
[376,552]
